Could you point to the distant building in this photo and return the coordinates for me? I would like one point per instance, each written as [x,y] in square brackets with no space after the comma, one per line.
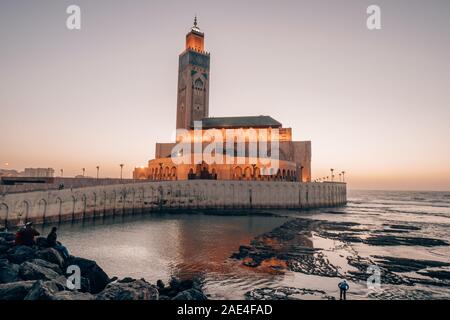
[8,173]
[38,173]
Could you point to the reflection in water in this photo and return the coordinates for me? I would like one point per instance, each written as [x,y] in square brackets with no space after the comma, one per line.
[159,246]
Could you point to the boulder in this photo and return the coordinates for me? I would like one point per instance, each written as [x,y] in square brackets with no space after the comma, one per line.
[98,279]
[15,290]
[4,248]
[41,242]
[190,294]
[85,285]
[73,295]
[46,264]
[61,283]
[31,271]
[51,255]
[9,272]
[21,254]
[181,285]
[126,280]
[160,284]
[43,290]
[136,290]
[8,236]
[3,242]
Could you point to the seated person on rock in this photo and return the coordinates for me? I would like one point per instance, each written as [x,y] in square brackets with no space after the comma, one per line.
[25,236]
[18,240]
[52,243]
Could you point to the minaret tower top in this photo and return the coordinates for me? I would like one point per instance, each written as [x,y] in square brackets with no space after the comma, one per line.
[195,39]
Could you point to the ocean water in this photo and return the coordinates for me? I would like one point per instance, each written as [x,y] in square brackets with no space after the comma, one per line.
[160,245]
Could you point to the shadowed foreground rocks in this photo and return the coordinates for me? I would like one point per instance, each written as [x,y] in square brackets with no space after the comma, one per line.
[39,273]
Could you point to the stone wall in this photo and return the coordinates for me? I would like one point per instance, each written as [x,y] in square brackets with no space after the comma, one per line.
[68,183]
[138,197]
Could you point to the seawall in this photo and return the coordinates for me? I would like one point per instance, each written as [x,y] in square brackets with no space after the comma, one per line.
[138,197]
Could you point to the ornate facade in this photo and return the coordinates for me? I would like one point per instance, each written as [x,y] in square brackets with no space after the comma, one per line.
[237,140]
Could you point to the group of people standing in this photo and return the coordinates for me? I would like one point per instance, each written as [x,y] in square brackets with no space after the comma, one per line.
[25,236]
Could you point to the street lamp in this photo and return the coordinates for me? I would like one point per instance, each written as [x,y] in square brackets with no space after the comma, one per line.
[332,175]
[340,174]
[121,170]
[98,169]
[84,171]
[343,176]
[62,173]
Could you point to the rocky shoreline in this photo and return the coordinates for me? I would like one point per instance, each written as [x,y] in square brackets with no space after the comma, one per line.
[40,273]
[290,248]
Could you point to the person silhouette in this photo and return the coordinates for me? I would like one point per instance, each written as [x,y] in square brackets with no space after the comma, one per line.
[343,287]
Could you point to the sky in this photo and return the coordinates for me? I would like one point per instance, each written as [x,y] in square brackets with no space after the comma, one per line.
[375,103]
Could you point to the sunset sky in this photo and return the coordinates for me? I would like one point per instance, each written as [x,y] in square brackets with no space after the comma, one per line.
[374,103]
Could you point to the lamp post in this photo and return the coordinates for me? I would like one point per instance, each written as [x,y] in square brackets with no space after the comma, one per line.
[340,174]
[62,173]
[332,175]
[121,170]
[98,169]
[343,176]
[84,171]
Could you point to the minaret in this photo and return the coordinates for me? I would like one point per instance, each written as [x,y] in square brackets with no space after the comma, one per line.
[193,80]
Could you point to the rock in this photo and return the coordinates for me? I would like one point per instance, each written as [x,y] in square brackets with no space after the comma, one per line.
[181,285]
[42,291]
[46,264]
[4,248]
[9,272]
[85,285]
[388,240]
[279,295]
[8,236]
[61,283]
[160,284]
[136,290]
[126,280]
[15,290]
[98,279]
[42,242]
[190,294]
[51,255]
[72,295]
[31,271]
[21,254]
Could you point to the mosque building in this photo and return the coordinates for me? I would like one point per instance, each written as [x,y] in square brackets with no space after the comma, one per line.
[239,140]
